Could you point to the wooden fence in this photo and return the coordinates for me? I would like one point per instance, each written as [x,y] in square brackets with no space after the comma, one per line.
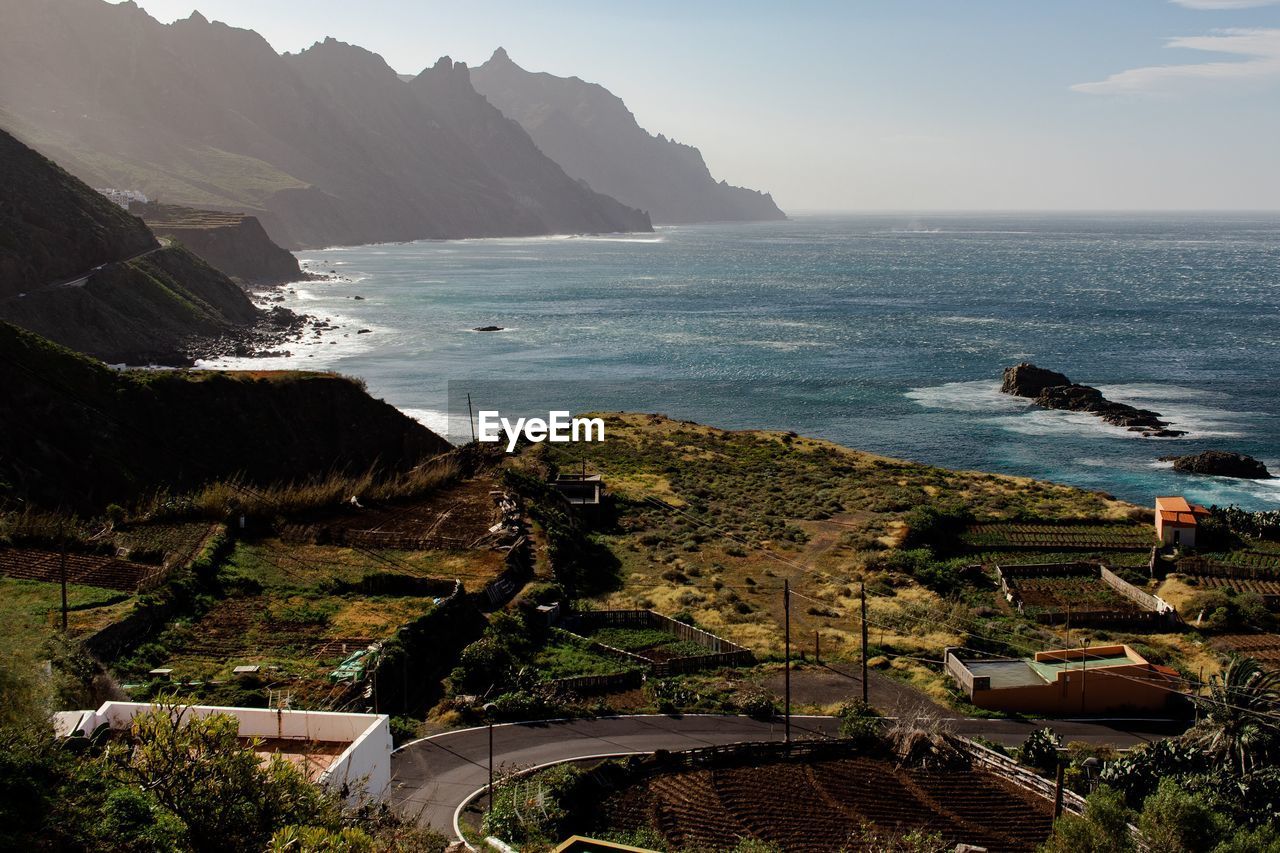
[720,652]
[594,685]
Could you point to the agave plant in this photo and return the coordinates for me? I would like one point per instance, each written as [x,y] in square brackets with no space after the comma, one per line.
[1240,718]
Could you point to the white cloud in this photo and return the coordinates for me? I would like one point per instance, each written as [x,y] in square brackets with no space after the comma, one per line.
[1260,47]
[1224,4]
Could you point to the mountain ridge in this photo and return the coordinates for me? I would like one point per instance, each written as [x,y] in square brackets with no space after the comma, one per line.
[593,136]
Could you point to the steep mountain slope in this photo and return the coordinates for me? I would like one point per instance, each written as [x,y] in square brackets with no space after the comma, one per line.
[76,433]
[592,135]
[232,243]
[328,146]
[81,271]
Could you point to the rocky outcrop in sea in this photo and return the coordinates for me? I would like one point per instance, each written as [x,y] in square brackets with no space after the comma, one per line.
[1220,463]
[1052,390]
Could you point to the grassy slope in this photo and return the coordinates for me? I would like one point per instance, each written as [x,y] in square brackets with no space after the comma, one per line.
[74,432]
[828,515]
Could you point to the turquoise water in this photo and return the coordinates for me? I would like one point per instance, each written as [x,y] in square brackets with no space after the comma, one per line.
[886,333]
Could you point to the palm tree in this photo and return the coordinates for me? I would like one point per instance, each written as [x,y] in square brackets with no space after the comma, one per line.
[1240,718]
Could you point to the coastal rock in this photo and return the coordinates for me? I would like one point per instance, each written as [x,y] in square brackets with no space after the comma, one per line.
[1220,463]
[1053,390]
[1027,380]
[487,329]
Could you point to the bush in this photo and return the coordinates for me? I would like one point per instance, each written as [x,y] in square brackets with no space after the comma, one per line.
[860,722]
[1040,749]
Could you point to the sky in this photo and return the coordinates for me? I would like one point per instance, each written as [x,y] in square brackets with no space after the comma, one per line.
[885,104]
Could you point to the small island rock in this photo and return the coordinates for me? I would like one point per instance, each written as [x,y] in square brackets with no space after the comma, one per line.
[1220,463]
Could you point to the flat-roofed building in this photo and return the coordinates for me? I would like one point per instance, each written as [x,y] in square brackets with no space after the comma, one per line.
[1063,682]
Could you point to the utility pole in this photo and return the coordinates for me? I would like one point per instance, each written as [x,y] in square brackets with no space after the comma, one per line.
[786,609]
[1084,681]
[62,572]
[865,700]
[471,419]
[1057,787]
[489,708]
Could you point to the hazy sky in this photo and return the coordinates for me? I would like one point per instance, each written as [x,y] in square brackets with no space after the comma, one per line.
[879,104]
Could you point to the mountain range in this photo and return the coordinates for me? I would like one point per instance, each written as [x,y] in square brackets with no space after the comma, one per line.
[589,131]
[325,146]
[330,145]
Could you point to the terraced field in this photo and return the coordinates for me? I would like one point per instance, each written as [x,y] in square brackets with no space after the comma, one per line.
[83,569]
[820,806]
[1264,648]
[1058,537]
[1256,586]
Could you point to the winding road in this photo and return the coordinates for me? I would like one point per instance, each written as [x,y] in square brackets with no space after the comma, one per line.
[434,777]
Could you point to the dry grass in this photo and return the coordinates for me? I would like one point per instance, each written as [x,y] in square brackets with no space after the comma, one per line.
[216,500]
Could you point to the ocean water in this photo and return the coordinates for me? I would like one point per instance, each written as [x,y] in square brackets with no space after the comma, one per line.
[882,332]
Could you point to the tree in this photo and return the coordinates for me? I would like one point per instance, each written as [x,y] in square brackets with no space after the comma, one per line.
[1239,721]
[1179,821]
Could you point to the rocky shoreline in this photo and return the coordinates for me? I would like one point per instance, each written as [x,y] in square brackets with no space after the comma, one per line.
[1052,390]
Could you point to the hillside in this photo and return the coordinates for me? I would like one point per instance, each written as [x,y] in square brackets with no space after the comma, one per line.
[73,431]
[592,135]
[232,243]
[325,147]
[80,271]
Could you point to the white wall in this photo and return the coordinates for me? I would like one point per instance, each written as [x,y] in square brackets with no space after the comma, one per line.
[365,765]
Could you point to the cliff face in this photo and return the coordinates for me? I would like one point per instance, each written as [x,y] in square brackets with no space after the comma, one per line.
[73,431]
[328,146]
[131,300]
[232,243]
[591,134]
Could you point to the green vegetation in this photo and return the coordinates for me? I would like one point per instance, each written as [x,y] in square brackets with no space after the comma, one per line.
[174,783]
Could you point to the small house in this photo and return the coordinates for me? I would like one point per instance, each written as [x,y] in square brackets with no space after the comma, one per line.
[1176,521]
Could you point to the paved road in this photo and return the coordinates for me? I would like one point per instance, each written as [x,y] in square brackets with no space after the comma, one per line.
[431,778]
[81,280]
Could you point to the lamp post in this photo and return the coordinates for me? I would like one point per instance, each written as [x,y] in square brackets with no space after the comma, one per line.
[488,713]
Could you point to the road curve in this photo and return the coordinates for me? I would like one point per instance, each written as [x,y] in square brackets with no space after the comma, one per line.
[432,777]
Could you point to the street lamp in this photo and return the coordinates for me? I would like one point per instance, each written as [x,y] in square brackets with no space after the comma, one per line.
[488,712]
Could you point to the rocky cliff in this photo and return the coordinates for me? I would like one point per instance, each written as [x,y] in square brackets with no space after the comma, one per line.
[74,432]
[232,243]
[592,135]
[82,272]
[325,147]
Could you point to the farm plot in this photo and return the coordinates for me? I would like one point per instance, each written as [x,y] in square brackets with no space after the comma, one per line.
[1244,564]
[300,636]
[1012,535]
[82,569]
[458,517]
[1265,588]
[1080,594]
[164,544]
[1264,648]
[823,805]
[1058,592]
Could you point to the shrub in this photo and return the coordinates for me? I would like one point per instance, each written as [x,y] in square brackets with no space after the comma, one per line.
[860,722]
[1040,749]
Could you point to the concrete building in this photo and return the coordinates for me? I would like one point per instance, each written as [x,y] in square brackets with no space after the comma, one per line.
[1066,682]
[351,751]
[123,197]
[1176,521]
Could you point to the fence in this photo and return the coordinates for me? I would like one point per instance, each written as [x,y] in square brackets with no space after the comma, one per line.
[594,685]
[1150,611]
[720,652]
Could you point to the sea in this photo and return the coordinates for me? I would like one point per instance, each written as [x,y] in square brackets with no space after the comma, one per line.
[883,332]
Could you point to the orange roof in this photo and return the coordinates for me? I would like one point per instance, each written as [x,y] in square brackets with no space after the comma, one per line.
[1173,504]
[1178,519]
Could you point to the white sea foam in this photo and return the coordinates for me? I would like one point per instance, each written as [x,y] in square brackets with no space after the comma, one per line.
[436,421]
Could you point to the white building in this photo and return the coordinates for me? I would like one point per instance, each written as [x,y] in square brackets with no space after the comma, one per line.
[123,197]
[331,749]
